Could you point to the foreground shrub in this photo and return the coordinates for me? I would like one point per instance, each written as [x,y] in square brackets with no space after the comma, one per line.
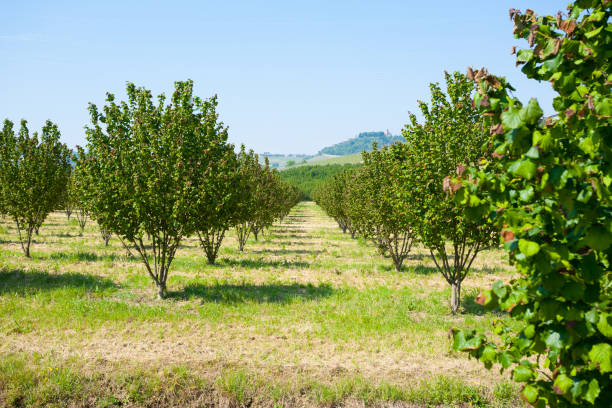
[547,189]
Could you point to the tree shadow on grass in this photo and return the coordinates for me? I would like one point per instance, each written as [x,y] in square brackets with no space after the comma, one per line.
[281,230]
[262,263]
[299,236]
[228,293]
[23,283]
[424,270]
[286,251]
[83,256]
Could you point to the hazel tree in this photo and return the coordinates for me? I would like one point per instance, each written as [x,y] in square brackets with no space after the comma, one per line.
[449,138]
[34,171]
[374,207]
[146,166]
[250,173]
[332,197]
[66,201]
[74,196]
[547,188]
[218,204]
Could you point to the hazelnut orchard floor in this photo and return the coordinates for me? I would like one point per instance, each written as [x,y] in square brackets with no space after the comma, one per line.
[305,302]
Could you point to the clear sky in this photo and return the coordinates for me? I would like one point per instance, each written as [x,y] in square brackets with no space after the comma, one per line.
[292,76]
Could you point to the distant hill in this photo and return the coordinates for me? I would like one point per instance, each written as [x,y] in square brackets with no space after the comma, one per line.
[363,141]
[309,177]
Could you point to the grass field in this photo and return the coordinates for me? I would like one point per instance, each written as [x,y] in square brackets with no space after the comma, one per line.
[322,160]
[305,317]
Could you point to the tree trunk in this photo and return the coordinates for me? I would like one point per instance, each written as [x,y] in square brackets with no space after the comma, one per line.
[256,233]
[455,297]
[161,290]
[397,262]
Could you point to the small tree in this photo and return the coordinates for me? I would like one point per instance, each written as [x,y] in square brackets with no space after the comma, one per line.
[218,200]
[106,235]
[332,197]
[385,219]
[75,198]
[145,166]
[34,172]
[66,201]
[547,189]
[249,174]
[450,138]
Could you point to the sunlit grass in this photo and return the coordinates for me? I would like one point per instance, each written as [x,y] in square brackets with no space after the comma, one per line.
[302,303]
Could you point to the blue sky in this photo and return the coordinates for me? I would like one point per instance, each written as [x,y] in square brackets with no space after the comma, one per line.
[292,76]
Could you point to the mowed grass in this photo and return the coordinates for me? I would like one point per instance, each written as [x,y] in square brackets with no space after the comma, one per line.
[306,316]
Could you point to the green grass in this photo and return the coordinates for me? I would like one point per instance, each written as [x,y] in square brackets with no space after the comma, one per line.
[36,381]
[306,316]
[322,160]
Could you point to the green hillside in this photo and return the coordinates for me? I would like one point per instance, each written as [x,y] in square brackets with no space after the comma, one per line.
[362,142]
[308,177]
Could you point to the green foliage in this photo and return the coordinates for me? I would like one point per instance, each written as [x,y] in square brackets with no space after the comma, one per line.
[374,207]
[363,142]
[33,175]
[547,188]
[265,196]
[307,178]
[449,138]
[333,198]
[148,175]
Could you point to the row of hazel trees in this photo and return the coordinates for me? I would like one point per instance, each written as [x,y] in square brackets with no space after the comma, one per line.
[153,172]
[34,173]
[401,195]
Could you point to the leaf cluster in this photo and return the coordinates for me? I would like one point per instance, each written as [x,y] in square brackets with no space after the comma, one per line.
[547,189]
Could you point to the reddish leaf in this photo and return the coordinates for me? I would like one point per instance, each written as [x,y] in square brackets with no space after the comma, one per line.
[470,74]
[497,129]
[460,169]
[590,103]
[568,26]
[508,235]
[484,102]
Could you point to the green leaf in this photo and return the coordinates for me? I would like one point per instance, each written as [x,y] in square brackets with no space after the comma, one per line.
[522,373]
[562,384]
[601,355]
[604,325]
[528,248]
[592,392]
[530,393]
[604,108]
[598,238]
[463,341]
[524,168]
[511,119]
[531,113]
[593,33]
[505,359]
[553,340]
